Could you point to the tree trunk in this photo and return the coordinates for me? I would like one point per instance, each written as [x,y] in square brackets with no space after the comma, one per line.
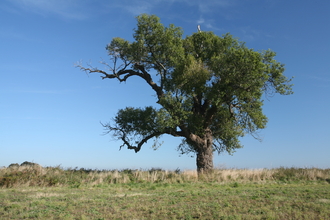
[204,160]
[204,147]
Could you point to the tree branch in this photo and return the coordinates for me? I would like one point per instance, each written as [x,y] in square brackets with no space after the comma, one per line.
[123,74]
[146,76]
[209,115]
[123,136]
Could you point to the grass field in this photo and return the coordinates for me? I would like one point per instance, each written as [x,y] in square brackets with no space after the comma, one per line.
[56,193]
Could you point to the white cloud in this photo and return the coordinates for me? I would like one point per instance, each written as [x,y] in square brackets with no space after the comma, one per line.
[319,78]
[78,9]
[136,7]
[146,6]
[207,25]
[207,6]
[200,21]
[249,34]
[37,91]
[71,9]
[139,7]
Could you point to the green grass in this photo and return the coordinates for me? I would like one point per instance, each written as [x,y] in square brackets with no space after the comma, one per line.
[283,193]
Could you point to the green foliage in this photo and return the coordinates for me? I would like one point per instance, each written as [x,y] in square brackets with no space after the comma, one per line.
[137,121]
[206,84]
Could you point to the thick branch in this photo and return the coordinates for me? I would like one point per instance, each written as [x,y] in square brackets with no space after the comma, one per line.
[123,74]
[146,76]
[123,136]
[205,105]
[209,116]
[173,132]
[197,105]
[144,140]
[93,70]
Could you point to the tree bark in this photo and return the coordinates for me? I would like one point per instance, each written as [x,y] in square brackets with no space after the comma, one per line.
[204,159]
[204,152]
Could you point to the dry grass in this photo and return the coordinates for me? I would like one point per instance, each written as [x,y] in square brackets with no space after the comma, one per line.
[57,176]
[262,175]
[195,200]
[33,192]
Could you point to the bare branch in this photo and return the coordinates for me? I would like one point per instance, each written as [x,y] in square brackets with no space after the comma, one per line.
[109,67]
[123,74]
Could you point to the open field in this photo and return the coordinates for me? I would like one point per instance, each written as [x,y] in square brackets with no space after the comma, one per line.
[55,193]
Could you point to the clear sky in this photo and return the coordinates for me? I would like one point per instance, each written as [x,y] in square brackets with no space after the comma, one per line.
[50,111]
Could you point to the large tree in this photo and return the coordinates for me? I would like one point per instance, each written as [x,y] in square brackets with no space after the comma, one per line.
[209,88]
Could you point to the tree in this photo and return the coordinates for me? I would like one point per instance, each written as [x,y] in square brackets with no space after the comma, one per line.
[209,88]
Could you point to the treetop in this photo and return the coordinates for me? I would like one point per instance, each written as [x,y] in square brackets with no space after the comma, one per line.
[204,83]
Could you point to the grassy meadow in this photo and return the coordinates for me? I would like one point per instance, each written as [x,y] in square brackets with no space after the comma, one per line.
[34,192]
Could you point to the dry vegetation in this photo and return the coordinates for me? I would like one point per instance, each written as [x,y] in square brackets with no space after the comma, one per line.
[56,176]
[34,192]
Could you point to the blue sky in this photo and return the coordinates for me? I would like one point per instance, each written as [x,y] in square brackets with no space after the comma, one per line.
[50,111]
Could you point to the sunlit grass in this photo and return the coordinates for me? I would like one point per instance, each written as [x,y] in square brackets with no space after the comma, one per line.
[56,193]
[57,176]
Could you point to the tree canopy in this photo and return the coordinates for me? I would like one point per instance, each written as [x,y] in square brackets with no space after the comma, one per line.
[209,88]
